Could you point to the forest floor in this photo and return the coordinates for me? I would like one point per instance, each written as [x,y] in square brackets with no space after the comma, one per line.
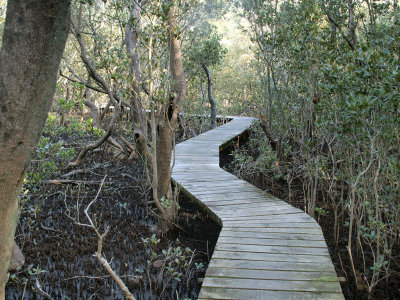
[59,261]
[388,288]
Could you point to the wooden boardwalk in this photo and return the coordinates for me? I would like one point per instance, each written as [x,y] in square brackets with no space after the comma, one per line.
[267,249]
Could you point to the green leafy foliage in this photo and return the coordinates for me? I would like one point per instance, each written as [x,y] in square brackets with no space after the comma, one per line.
[208,50]
[335,111]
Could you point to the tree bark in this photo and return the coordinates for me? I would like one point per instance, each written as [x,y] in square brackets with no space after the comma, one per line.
[211,98]
[352,23]
[137,113]
[274,143]
[175,101]
[33,42]
[176,66]
[269,98]
[94,110]
[169,116]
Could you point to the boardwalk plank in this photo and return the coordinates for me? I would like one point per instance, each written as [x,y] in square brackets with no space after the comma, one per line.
[223,212]
[271,274]
[277,285]
[246,294]
[241,189]
[299,216]
[217,200]
[271,249]
[272,265]
[263,224]
[316,259]
[247,201]
[298,231]
[271,242]
[230,232]
[222,198]
[236,205]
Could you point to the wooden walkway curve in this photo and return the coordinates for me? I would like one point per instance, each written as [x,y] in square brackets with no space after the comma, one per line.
[267,249]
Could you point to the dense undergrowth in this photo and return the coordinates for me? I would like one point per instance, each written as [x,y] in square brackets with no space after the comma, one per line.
[59,252]
[286,175]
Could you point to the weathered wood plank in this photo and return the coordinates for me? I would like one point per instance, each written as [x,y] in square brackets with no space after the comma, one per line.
[271,242]
[217,184]
[195,171]
[246,294]
[281,257]
[261,224]
[218,202]
[221,198]
[299,216]
[236,196]
[274,285]
[270,274]
[222,211]
[239,189]
[242,233]
[182,178]
[271,249]
[253,192]
[272,265]
[240,205]
[267,206]
[299,231]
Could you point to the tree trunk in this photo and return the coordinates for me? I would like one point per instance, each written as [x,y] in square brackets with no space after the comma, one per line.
[33,42]
[210,98]
[100,80]
[169,116]
[269,98]
[164,156]
[176,66]
[94,110]
[138,117]
[352,23]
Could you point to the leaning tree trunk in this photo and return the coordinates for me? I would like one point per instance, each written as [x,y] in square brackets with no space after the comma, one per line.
[94,110]
[211,98]
[33,42]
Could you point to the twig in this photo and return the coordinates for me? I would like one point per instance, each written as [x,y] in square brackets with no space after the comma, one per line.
[69,181]
[49,229]
[101,277]
[82,82]
[100,239]
[23,293]
[40,290]
[78,171]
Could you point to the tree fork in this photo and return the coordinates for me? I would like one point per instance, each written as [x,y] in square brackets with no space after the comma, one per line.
[92,72]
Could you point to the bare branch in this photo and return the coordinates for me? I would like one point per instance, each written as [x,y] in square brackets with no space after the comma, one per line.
[100,241]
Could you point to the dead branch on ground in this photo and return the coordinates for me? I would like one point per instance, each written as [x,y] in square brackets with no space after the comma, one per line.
[100,240]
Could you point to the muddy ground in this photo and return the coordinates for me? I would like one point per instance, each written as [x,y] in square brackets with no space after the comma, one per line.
[59,252]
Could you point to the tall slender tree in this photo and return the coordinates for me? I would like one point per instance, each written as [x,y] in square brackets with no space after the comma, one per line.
[169,117]
[208,52]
